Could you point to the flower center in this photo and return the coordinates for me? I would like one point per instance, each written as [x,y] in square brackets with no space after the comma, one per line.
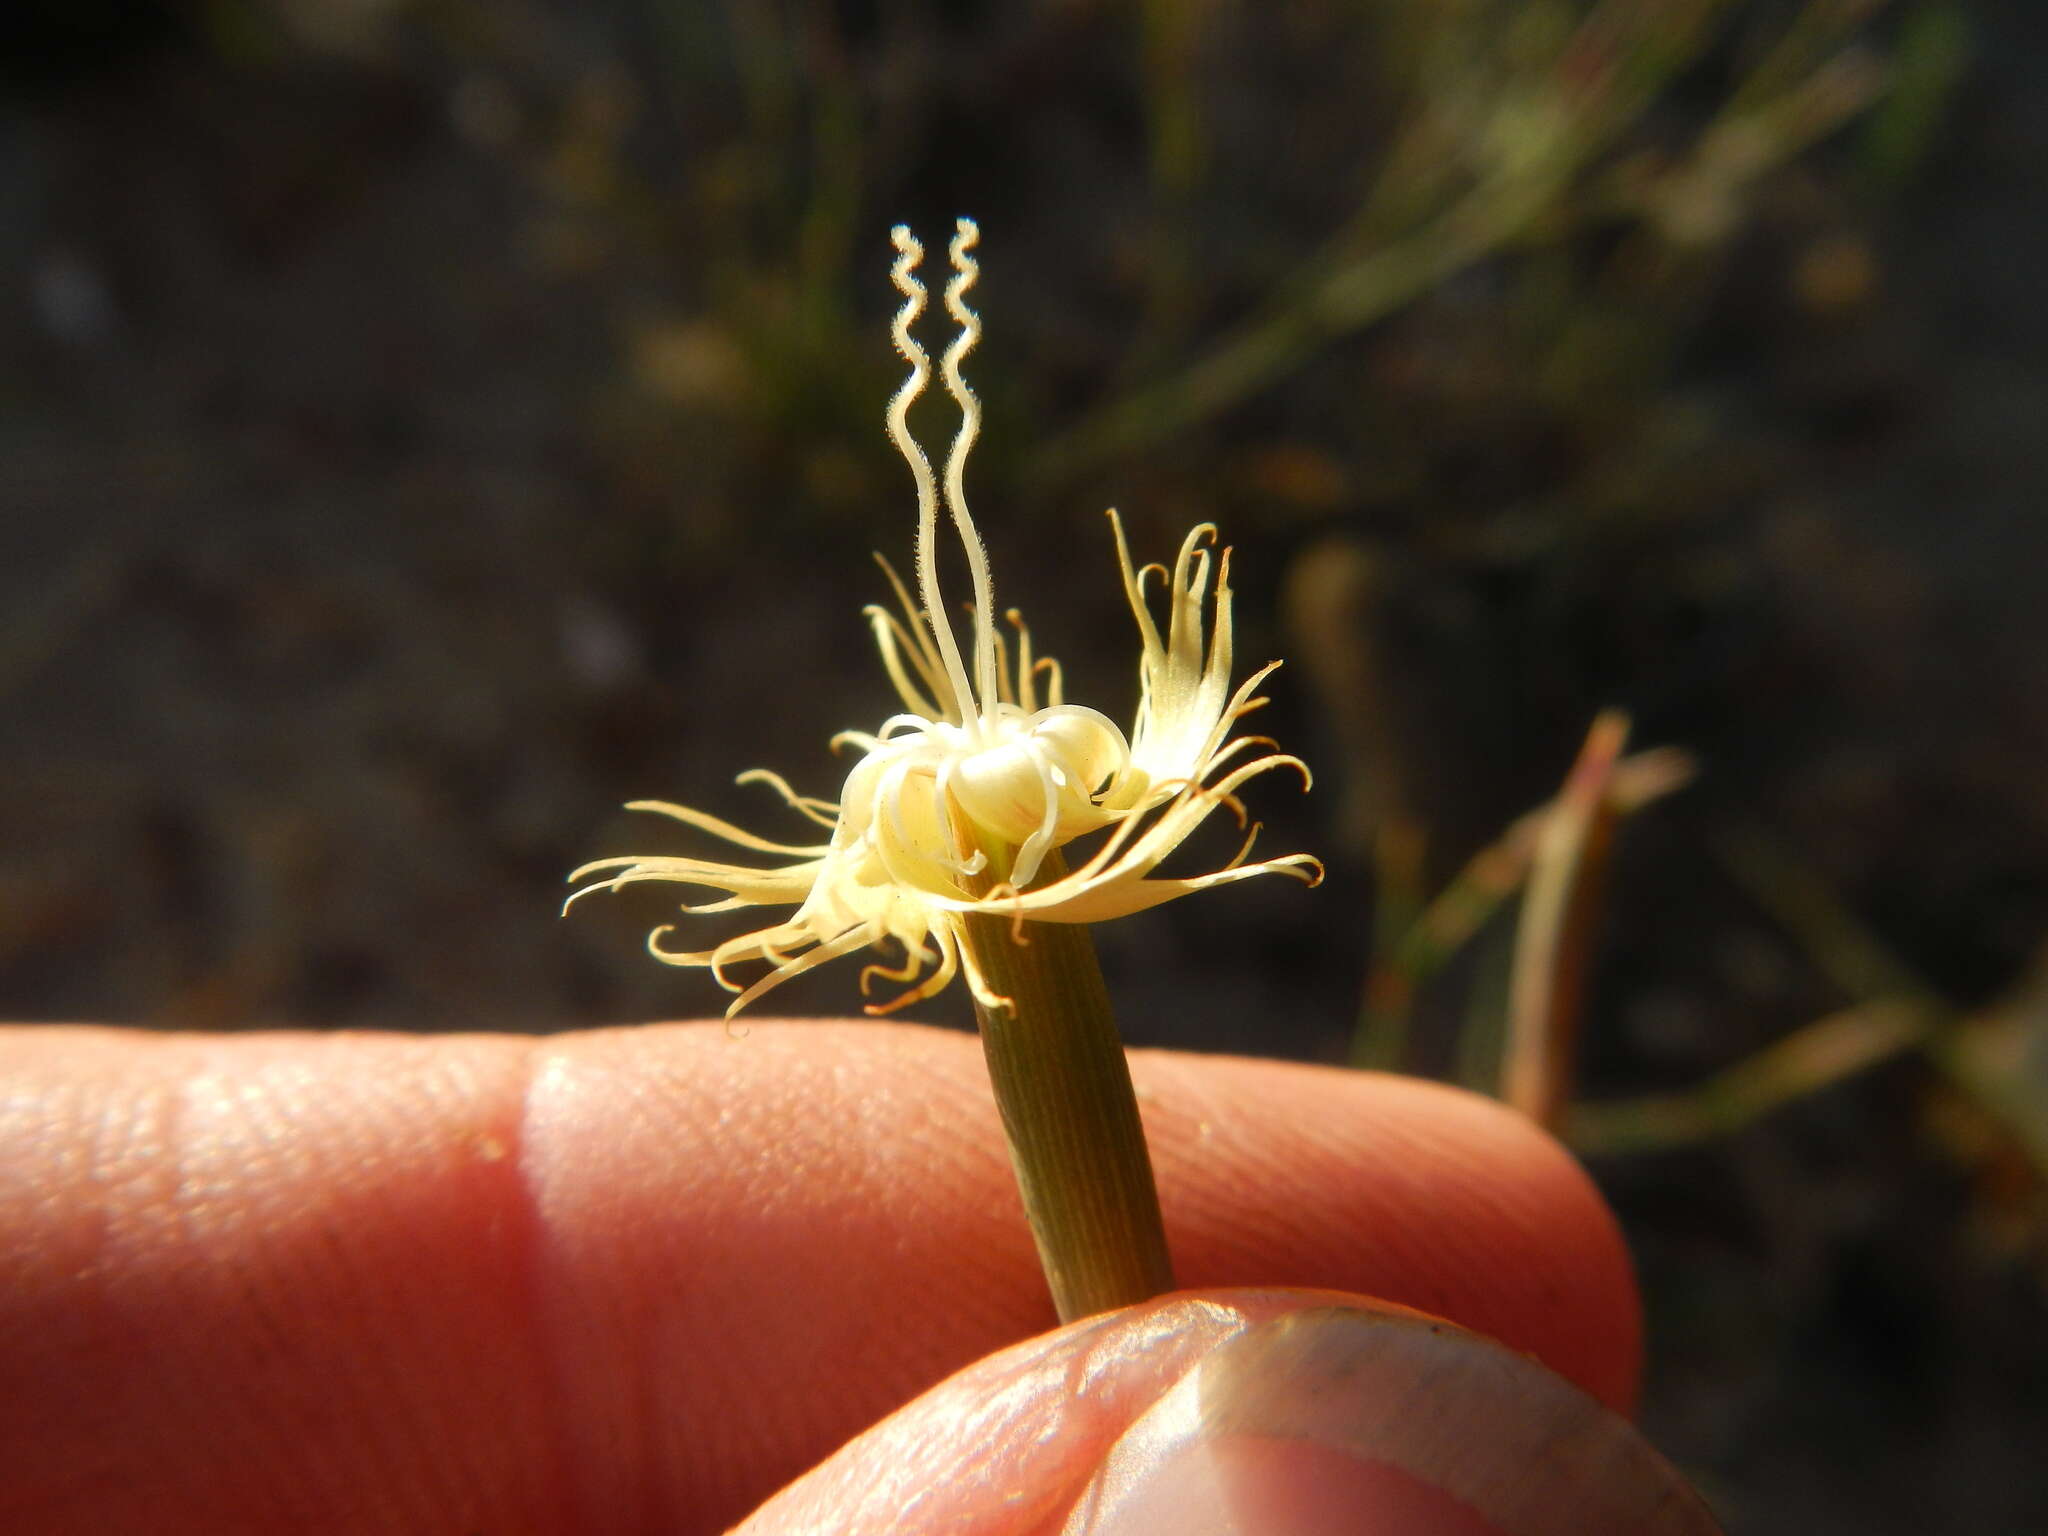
[1036,785]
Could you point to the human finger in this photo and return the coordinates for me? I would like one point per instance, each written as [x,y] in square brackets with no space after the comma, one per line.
[1287,1413]
[644,1277]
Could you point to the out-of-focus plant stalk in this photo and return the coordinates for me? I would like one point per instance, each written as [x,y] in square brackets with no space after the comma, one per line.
[1560,912]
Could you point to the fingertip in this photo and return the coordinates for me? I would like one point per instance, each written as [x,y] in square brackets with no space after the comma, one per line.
[1322,1420]
[1284,1412]
[1413,1192]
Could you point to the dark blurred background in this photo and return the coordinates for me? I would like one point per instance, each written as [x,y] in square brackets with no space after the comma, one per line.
[425,426]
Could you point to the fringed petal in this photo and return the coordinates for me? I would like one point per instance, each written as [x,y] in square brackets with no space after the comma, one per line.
[717,828]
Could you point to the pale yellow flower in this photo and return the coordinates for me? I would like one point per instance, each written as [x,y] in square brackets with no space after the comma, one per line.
[956,803]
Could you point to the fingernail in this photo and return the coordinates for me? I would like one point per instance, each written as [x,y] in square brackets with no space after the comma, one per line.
[1337,1420]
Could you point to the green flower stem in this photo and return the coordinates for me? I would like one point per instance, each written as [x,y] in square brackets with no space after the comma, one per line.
[1064,1090]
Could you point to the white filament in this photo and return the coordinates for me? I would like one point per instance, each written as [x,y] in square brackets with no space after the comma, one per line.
[973,704]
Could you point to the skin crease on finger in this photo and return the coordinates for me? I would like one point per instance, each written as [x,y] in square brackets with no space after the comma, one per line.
[638,1279]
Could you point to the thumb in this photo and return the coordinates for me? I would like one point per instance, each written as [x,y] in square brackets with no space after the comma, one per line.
[1281,1413]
